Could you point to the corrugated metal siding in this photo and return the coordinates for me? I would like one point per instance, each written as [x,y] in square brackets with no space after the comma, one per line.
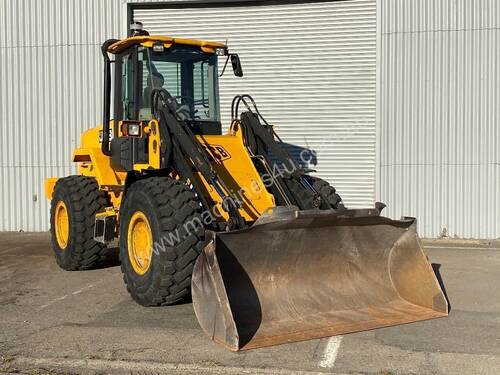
[50,91]
[440,114]
[311,68]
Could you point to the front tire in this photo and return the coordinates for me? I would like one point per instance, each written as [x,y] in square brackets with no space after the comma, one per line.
[333,199]
[75,201]
[161,236]
[307,200]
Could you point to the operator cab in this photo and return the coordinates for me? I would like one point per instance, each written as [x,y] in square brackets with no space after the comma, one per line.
[186,68]
[186,72]
[183,69]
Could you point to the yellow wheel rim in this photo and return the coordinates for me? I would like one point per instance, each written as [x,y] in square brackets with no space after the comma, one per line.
[61,223]
[140,243]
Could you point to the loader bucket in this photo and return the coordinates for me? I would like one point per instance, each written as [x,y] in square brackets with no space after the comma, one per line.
[300,275]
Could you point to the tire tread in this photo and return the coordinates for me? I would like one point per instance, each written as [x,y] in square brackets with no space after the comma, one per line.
[174,206]
[86,200]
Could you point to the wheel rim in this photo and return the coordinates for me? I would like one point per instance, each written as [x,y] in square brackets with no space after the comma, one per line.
[140,243]
[61,223]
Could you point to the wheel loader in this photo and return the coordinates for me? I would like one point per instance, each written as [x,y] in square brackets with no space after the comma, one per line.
[267,251]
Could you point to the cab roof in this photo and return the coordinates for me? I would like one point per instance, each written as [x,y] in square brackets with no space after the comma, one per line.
[149,40]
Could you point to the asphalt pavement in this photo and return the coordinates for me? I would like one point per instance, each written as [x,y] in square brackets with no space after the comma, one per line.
[54,321]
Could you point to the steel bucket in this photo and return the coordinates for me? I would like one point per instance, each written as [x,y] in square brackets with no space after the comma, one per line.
[299,275]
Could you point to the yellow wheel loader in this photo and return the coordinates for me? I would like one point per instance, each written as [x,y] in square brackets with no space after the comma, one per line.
[268,252]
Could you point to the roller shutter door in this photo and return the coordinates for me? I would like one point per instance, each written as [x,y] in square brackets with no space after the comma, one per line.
[311,67]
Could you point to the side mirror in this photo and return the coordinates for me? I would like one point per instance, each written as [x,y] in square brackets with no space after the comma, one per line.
[236,63]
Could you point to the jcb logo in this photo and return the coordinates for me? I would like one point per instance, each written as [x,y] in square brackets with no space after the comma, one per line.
[218,153]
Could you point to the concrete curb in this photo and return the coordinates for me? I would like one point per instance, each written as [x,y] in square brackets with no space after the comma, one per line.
[93,366]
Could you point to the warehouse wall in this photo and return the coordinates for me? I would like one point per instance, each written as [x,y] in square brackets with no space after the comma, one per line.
[438,109]
[439,114]
[50,91]
[311,68]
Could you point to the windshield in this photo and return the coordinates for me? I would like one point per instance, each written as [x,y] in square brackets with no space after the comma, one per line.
[188,74]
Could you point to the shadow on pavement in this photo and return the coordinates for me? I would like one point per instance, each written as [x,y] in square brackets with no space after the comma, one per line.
[435,268]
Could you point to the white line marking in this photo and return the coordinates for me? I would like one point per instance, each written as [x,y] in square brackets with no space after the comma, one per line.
[66,295]
[330,352]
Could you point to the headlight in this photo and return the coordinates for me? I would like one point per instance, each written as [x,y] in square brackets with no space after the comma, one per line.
[220,51]
[134,130]
[158,47]
[131,128]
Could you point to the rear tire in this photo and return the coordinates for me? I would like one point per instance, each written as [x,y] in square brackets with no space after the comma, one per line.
[171,214]
[75,201]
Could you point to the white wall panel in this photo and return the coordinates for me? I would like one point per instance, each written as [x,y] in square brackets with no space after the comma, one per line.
[310,67]
[50,91]
[440,115]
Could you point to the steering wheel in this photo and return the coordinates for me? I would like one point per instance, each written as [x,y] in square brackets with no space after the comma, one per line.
[188,108]
[184,99]
[183,110]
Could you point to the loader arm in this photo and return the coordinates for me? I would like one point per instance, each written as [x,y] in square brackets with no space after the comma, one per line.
[292,186]
[185,143]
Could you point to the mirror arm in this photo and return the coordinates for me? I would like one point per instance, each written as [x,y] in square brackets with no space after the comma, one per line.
[225,64]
